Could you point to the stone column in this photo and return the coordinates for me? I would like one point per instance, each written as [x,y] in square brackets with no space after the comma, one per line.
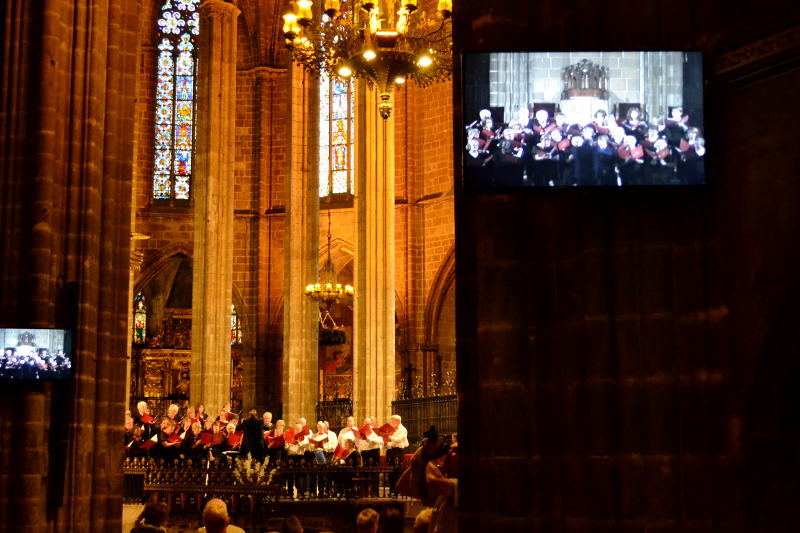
[373,313]
[213,205]
[300,314]
[137,257]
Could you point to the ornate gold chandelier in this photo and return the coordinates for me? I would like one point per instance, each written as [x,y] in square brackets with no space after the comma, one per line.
[385,42]
[327,290]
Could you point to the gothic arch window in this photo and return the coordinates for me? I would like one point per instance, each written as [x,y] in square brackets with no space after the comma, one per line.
[336,136]
[176,83]
[236,327]
[139,319]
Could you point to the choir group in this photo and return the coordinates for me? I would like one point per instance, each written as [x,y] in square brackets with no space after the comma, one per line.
[197,436]
[549,151]
[34,364]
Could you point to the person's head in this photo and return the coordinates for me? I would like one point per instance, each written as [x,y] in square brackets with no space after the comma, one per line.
[473,133]
[216,427]
[630,141]
[187,423]
[600,115]
[652,135]
[395,420]
[172,410]
[196,428]
[291,524]
[302,421]
[523,115]
[618,134]
[367,420]
[367,521]
[692,134]
[699,143]
[485,114]
[541,116]
[137,432]
[660,144]
[321,427]
[142,408]
[190,412]
[267,417]
[556,135]
[230,428]
[200,409]
[215,516]
[154,514]
[577,141]
[588,133]
[602,142]
[634,113]
[280,424]
[423,520]
[676,113]
[163,424]
[253,413]
[209,423]
[351,421]
[298,428]
[169,426]
[391,520]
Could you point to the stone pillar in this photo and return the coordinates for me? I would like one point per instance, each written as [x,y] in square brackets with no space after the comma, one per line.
[213,203]
[373,313]
[300,313]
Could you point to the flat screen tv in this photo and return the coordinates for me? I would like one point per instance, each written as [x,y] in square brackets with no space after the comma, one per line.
[35,354]
[582,119]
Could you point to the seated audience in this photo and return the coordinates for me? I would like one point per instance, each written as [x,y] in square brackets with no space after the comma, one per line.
[367,521]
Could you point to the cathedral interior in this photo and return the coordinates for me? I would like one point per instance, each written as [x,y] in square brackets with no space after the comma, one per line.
[634,347]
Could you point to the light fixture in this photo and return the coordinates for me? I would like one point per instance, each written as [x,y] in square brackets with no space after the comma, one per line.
[328,291]
[381,47]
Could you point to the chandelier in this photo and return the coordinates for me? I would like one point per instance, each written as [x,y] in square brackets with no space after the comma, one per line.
[385,42]
[328,291]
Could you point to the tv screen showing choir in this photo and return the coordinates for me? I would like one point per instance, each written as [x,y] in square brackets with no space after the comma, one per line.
[585,119]
[35,354]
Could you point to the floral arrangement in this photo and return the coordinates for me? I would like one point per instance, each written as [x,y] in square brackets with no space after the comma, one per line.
[252,472]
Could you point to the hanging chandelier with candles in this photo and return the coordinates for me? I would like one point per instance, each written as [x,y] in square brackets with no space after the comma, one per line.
[328,290]
[386,42]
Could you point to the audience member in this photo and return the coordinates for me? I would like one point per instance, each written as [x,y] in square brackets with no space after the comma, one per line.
[216,519]
[291,524]
[152,519]
[392,520]
[423,521]
[367,521]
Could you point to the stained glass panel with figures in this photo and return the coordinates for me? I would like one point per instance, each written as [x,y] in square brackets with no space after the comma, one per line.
[178,28]
[336,127]
[139,319]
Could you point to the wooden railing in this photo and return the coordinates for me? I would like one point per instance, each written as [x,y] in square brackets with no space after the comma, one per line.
[187,485]
[419,414]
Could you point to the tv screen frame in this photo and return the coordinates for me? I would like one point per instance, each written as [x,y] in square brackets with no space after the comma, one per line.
[522,149]
[36,354]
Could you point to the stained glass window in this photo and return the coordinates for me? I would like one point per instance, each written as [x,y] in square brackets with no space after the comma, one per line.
[236,327]
[336,148]
[139,319]
[175,89]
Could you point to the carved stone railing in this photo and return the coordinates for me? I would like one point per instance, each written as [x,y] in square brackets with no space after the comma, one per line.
[335,412]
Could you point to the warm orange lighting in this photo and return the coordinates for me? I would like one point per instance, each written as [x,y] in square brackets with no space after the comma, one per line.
[304,15]
[386,38]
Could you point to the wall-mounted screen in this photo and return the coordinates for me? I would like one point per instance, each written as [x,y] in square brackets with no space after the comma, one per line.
[30,353]
[583,119]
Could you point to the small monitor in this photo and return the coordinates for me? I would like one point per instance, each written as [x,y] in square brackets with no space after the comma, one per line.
[35,354]
[582,119]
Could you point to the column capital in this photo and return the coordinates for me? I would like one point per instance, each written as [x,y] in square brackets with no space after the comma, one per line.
[224,8]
